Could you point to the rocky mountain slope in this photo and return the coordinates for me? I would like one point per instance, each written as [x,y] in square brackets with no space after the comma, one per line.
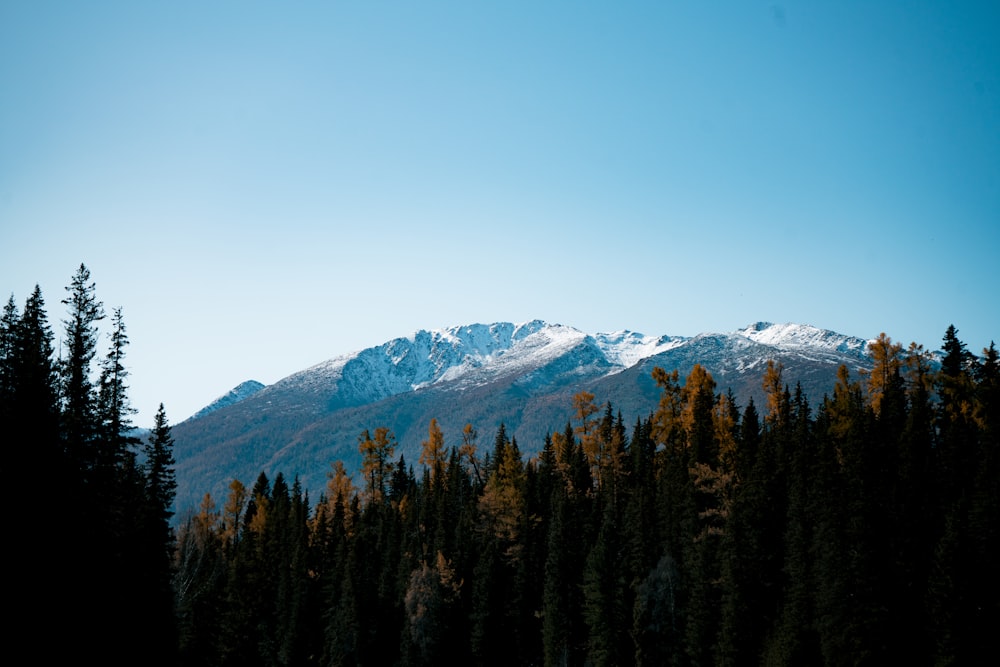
[521,375]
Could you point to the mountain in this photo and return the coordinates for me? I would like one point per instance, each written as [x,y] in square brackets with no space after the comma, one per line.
[235,395]
[521,375]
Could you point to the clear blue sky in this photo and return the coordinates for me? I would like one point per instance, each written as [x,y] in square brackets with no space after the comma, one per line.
[263,186]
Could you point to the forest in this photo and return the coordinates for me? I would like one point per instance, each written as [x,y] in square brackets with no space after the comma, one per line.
[861,530]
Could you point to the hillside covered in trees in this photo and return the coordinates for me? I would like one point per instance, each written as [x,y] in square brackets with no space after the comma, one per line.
[859,530]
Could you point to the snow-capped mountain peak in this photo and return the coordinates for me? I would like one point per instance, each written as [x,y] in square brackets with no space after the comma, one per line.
[790,336]
[521,375]
[469,355]
[476,354]
[627,348]
[235,395]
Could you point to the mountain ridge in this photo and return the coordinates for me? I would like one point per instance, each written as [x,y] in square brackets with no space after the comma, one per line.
[622,349]
[521,375]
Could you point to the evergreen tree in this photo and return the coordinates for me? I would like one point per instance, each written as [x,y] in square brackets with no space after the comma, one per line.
[587,430]
[433,452]
[343,632]
[748,564]
[469,452]
[956,429]
[80,419]
[656,617]
[8,341]
[564,631]
[640,535]
[499,590]
[159,538]
[135,576]
[852,604]
[376,464]
[561,600]
[30,417]
[246,620]
[161,482]
[698,400]
[957,358]
[113,405]
[104,479]
[29,392]
[606,610]
[795,640]
[708,495]
[199,585]
[431,591]
[984,509]
[963,584]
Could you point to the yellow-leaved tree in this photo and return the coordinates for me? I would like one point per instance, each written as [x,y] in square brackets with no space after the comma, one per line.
[432,453]
[376,460]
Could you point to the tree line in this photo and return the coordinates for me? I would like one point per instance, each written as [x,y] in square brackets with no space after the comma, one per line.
[859,531]
[90,549]
[862,530]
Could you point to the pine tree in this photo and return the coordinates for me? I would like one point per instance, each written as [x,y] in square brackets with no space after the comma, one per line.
[232,518]
[957,358]
[8,340]
[376,463]
[136,578]
[703,420]
[657,624]
[606,609]
[795,640]
[666,421]
[245,626]
[431,591]
[698,399]
[748,564]
[29,398]
[30,416]
[116,480]
[498,591]
[342,632]
[80,420]
[561,596]
[851,601]
[956,429]
[161,486]
[586,430]
[433,452]
[104,478]
[778,405]
[885,382]
[469,452]
[963,584]
[984,509]
[199,584]
[641,538]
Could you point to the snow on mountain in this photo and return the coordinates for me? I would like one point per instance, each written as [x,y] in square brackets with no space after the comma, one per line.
[234,395]
[477,354]
[467,355]
[627,348]
[530,345]
[521,375]
[803,337]
[423,358]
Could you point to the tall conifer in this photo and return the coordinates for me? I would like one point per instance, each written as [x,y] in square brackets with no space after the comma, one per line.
[80,420]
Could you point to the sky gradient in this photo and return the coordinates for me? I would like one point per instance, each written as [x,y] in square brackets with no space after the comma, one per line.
[263,186]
